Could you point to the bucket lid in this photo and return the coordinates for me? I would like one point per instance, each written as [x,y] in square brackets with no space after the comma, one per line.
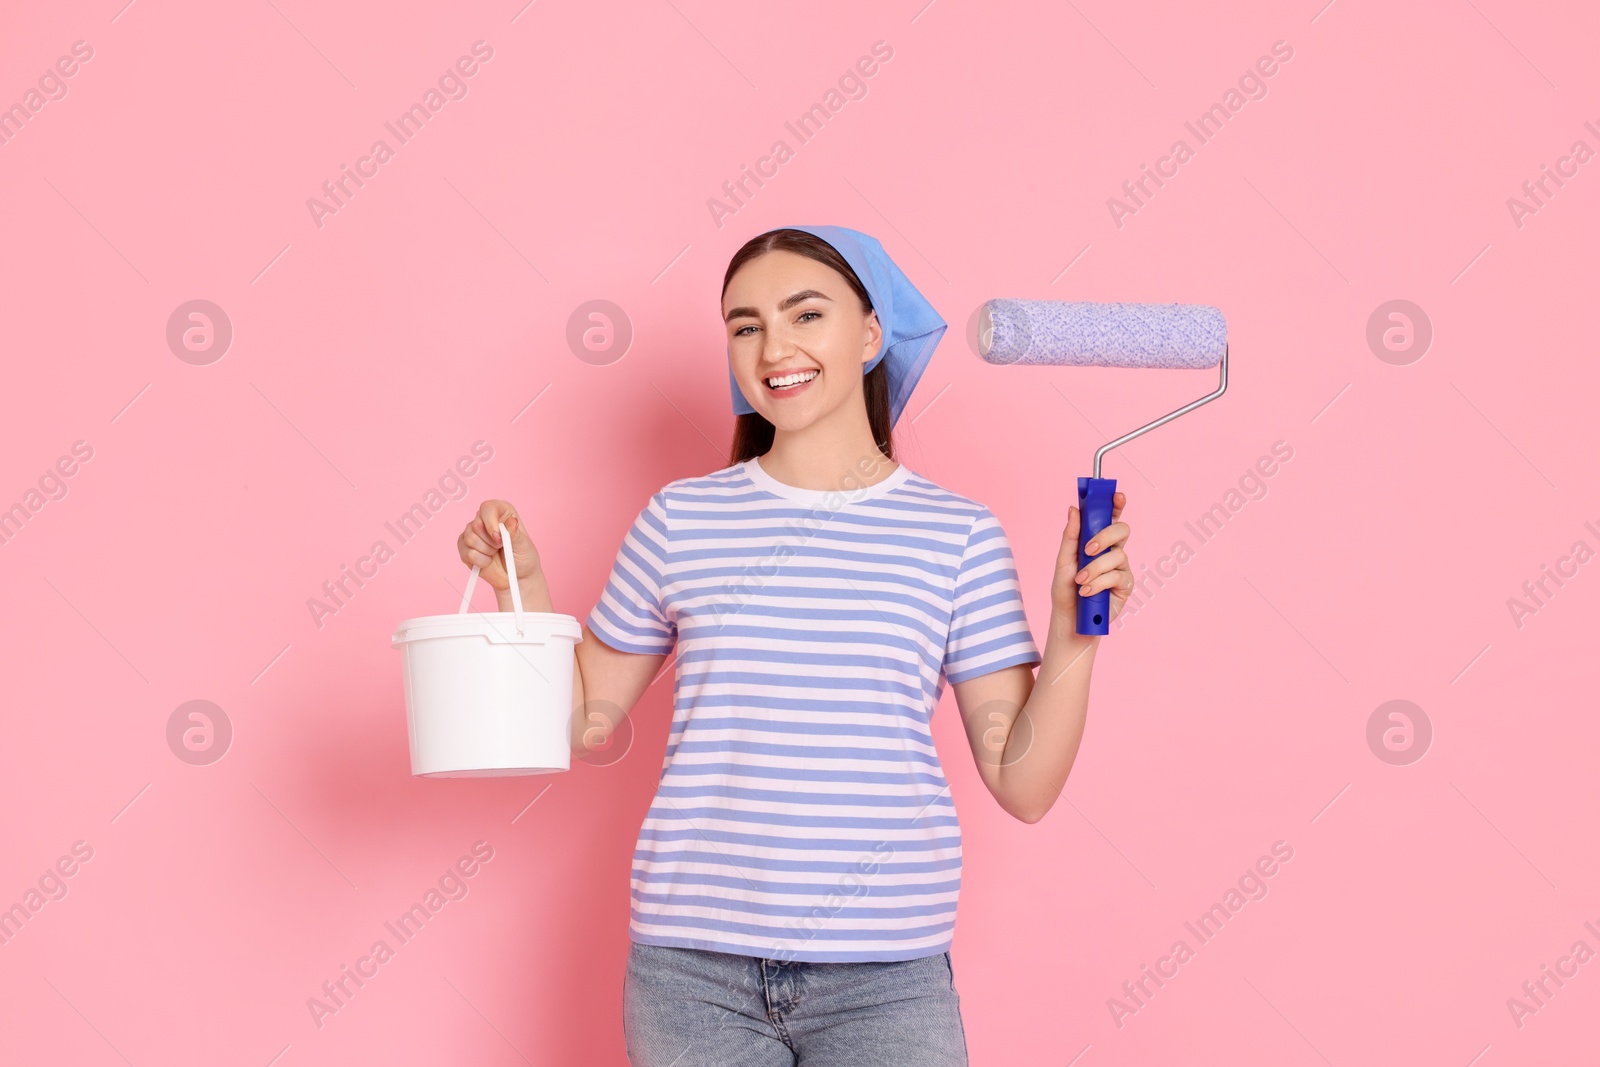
[500,627]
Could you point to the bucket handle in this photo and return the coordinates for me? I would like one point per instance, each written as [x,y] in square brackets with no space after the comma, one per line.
[511,572]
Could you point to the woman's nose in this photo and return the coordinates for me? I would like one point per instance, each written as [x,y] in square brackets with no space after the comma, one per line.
[776,347]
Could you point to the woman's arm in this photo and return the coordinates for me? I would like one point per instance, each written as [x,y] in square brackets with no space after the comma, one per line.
[1025,732]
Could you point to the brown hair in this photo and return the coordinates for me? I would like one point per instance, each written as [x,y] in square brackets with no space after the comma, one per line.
[752,434]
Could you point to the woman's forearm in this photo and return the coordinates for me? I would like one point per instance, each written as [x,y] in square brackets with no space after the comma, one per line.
[1044,737]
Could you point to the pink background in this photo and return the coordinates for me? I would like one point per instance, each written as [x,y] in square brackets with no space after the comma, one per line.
[368,354]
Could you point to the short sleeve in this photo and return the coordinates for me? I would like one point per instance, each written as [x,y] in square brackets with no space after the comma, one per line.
[630,616]
[988,628]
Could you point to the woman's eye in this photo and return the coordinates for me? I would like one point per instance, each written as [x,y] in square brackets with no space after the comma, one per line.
[801,318]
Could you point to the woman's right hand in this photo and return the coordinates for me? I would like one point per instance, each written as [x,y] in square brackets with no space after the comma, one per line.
[479,545]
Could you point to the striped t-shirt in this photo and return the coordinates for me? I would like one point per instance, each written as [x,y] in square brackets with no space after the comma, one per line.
[802,812]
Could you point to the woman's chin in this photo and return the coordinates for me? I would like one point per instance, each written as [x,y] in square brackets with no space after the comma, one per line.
[797,415]
[788,421]
[793,412]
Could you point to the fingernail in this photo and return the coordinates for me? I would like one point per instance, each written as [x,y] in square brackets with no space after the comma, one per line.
[1093,547]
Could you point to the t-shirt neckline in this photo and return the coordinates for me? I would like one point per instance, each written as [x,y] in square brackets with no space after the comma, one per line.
[839,497]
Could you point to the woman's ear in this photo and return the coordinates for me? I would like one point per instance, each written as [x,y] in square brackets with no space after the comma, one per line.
[874,337]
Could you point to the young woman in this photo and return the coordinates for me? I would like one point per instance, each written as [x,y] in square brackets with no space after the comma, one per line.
[795,881]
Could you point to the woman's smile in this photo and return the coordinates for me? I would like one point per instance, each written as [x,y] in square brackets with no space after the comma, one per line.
[793,383]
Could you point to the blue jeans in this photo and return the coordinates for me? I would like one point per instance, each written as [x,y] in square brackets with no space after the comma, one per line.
[695,1008]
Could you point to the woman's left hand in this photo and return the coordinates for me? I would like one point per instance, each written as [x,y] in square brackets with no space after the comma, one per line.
[1109,570]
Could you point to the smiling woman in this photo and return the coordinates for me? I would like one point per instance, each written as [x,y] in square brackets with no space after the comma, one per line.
[795,878]
[803,834]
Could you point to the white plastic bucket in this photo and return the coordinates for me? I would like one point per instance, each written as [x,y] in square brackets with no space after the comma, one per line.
[488,694]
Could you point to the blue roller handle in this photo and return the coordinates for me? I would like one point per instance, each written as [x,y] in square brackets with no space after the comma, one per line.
[1094,515]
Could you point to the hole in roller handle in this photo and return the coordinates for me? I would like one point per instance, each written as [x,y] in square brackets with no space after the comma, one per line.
[511,572]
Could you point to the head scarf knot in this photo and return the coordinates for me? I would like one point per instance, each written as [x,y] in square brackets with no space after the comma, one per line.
[911,328]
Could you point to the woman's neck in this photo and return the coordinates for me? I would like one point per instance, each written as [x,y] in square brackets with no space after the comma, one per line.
[820,457]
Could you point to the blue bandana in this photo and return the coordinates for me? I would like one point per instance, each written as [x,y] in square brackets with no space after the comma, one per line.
[911,328]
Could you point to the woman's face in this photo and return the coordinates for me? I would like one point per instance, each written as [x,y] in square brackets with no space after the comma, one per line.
[793,319]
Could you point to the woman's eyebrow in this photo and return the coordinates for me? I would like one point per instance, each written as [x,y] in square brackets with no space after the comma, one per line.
[788,302]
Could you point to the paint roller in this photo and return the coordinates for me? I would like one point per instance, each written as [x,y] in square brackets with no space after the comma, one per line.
[1059,333]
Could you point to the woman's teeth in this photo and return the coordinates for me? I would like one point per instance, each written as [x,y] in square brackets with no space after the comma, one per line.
[791,379]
